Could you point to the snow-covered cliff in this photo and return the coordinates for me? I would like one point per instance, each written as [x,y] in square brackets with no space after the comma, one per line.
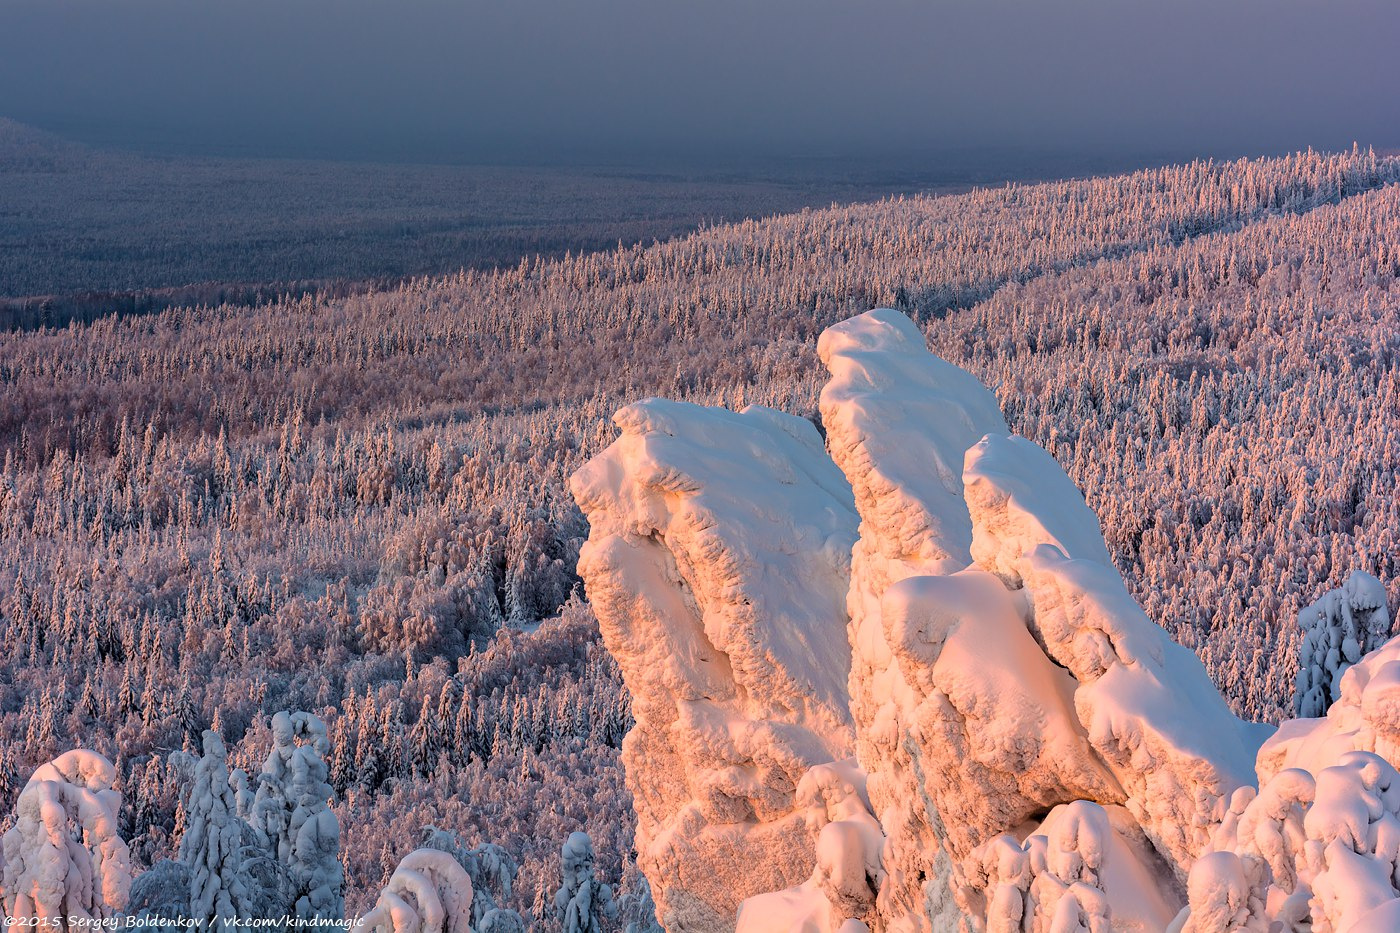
[1031,751]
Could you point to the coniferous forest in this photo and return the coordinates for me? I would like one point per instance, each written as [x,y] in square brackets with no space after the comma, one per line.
[357,506]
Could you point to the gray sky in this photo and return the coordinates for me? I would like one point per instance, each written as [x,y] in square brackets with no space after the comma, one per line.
[547,79]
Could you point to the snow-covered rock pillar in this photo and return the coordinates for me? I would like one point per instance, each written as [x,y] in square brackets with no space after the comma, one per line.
[718,563]
[898,420]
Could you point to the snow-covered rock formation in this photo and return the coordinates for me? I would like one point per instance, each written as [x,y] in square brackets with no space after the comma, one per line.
[898,420]
[718,564]
[64,858]
[972,539]
[1147,705]
[1032,753]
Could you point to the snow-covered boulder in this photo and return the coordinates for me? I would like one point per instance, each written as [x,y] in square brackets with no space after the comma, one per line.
[717,563]
[64,858]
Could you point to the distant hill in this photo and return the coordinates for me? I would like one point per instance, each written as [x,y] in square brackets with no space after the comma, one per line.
[86,232]
[27,150]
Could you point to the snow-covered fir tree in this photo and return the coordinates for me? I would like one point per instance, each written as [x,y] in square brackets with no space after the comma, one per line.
[212,846]
[64,856]
[583,903]
[1339,629]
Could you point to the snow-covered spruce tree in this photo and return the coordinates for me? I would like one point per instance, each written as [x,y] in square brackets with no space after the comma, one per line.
[490,867]
[315,866]
[159,895]
[212,845]
[429,892]
[1339,629]
[500,920]
[63,858]
[638,910]
[291,812]
[582,902]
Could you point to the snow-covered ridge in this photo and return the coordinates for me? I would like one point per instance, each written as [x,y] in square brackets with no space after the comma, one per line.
[1031,751]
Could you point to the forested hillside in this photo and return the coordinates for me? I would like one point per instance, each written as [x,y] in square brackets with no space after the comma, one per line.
[87,231]
[357,506]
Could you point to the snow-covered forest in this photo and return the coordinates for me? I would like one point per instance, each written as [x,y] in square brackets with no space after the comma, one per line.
[87,231]
[358,507]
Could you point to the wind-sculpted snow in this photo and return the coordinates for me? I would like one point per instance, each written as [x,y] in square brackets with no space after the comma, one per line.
[1009,725]
[718,564]
[1148,705]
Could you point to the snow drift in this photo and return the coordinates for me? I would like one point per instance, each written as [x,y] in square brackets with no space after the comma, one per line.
[1031,751]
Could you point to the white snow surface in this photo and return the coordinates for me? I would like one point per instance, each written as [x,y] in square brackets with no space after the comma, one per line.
[1032,753]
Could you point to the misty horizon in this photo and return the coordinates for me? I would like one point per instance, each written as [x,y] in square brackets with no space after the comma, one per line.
[632,83]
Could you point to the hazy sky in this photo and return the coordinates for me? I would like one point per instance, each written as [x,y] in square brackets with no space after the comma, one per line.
[558,78]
